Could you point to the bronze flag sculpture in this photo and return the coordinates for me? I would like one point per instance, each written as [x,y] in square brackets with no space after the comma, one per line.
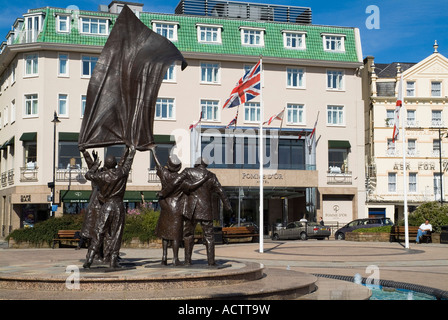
[120,107]
[122,91]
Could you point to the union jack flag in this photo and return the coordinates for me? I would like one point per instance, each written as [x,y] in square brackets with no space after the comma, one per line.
[247,88]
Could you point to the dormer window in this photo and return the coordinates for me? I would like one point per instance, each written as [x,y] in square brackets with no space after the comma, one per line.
[334,42]
[94,26]
[294,39]
[166,28]
[209,33]
[63,23]
[252,36]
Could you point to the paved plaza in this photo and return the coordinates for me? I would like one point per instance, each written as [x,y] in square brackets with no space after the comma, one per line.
[423,264]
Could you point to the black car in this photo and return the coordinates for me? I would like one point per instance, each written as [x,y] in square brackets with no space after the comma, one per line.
[362,223]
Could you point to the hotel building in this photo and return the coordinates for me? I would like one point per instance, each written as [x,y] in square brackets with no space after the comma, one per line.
[312,72]
[424,139]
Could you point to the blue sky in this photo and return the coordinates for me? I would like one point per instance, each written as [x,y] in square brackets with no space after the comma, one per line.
[405,31]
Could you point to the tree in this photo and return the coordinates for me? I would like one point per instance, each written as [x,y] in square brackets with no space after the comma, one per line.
[436,213]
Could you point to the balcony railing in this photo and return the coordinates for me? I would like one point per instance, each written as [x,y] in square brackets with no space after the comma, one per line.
[28,174]
[335,176]
[153,177]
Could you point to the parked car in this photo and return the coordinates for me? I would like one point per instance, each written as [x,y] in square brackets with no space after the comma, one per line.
[301,230]
[361,223]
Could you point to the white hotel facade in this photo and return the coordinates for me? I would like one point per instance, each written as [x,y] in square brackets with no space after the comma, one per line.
[425,116]
[312,72]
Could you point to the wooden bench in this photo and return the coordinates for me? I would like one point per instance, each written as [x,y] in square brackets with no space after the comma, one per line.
[66,235]
[239,233]
[397,234]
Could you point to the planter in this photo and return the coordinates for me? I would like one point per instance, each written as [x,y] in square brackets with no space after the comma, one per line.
[368,236]
[26,245]
[135,243]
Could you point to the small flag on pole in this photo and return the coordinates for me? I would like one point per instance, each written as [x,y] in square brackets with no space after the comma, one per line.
[234,120]
[192,126]
[278,116]
[247,88]
[397,111]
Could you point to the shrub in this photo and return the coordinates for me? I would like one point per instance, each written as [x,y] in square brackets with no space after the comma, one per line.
[45,231]
[436,213]
[375,229]
[141,223]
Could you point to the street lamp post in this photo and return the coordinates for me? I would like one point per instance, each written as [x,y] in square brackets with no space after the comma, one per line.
[53,187]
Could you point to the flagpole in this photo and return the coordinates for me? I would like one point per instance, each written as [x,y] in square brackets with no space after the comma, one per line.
[405,193]
[261,157]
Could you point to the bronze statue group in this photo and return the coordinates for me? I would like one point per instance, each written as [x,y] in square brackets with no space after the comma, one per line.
[185,200]
[120,107]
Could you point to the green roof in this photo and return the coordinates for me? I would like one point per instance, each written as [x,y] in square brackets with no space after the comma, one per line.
[231,39]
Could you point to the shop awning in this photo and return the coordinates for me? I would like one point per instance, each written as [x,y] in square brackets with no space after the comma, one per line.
[7,143]
[84,195]
[28,136]
[339,144]
[68,136]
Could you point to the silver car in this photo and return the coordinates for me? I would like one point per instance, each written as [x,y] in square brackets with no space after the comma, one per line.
[301,230]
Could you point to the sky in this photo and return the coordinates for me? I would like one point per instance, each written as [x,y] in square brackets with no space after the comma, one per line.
[391,30]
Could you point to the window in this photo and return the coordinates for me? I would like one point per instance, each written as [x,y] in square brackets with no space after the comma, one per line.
[410,88]
[436,118]
[170,75]
[33,25]
[436,147]
[166,29]
[335,115]
[63,105]
[209,34]
[210,72]
[390,147]
[294,40]
[412,147]
[291,154]
[13,111]
[390,118]
[5,116]
[83,105]
[392,182]
[63,65]
[338,159]
[30,154]
[437,186]
[436,89]
[31,64]
[67,151]
[295,78]
[63,23]
[252,112]
[210,110]
[295,114]
[31,105]
[413,182]
[410,119]
[165,109]
[334,43]
[335,80]
[88,64]
[94,26]
[252,37]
